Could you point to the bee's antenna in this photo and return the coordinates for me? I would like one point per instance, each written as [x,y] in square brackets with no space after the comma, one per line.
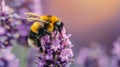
[66,23]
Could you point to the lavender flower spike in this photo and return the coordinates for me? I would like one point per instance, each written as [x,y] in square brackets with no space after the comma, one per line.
[13,27]
[6,26]
[57,52]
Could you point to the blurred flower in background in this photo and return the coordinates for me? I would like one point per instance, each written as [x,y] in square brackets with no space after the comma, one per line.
[6,25]
[23,6]
[116,47]
[115,60]
[13,27]
[93,56]
[7,58]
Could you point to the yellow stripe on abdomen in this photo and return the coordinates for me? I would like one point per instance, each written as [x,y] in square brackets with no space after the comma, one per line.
[35,27]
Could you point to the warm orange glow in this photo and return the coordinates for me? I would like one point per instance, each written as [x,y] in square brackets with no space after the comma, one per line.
[86,13]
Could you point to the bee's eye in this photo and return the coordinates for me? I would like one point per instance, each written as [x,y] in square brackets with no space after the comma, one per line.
[58,23]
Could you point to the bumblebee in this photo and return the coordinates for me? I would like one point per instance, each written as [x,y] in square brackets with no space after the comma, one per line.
[42,25]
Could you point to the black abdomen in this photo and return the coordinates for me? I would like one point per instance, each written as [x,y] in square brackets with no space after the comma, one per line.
[32,35]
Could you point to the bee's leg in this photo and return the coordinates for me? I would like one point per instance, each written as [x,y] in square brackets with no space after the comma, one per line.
[38,43]
[61,34]
[60,29]
[56,32]
[55,35]
[47,32]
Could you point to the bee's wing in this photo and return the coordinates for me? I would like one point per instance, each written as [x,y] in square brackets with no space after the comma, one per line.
[30,14]
[36,19]
[33,19]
